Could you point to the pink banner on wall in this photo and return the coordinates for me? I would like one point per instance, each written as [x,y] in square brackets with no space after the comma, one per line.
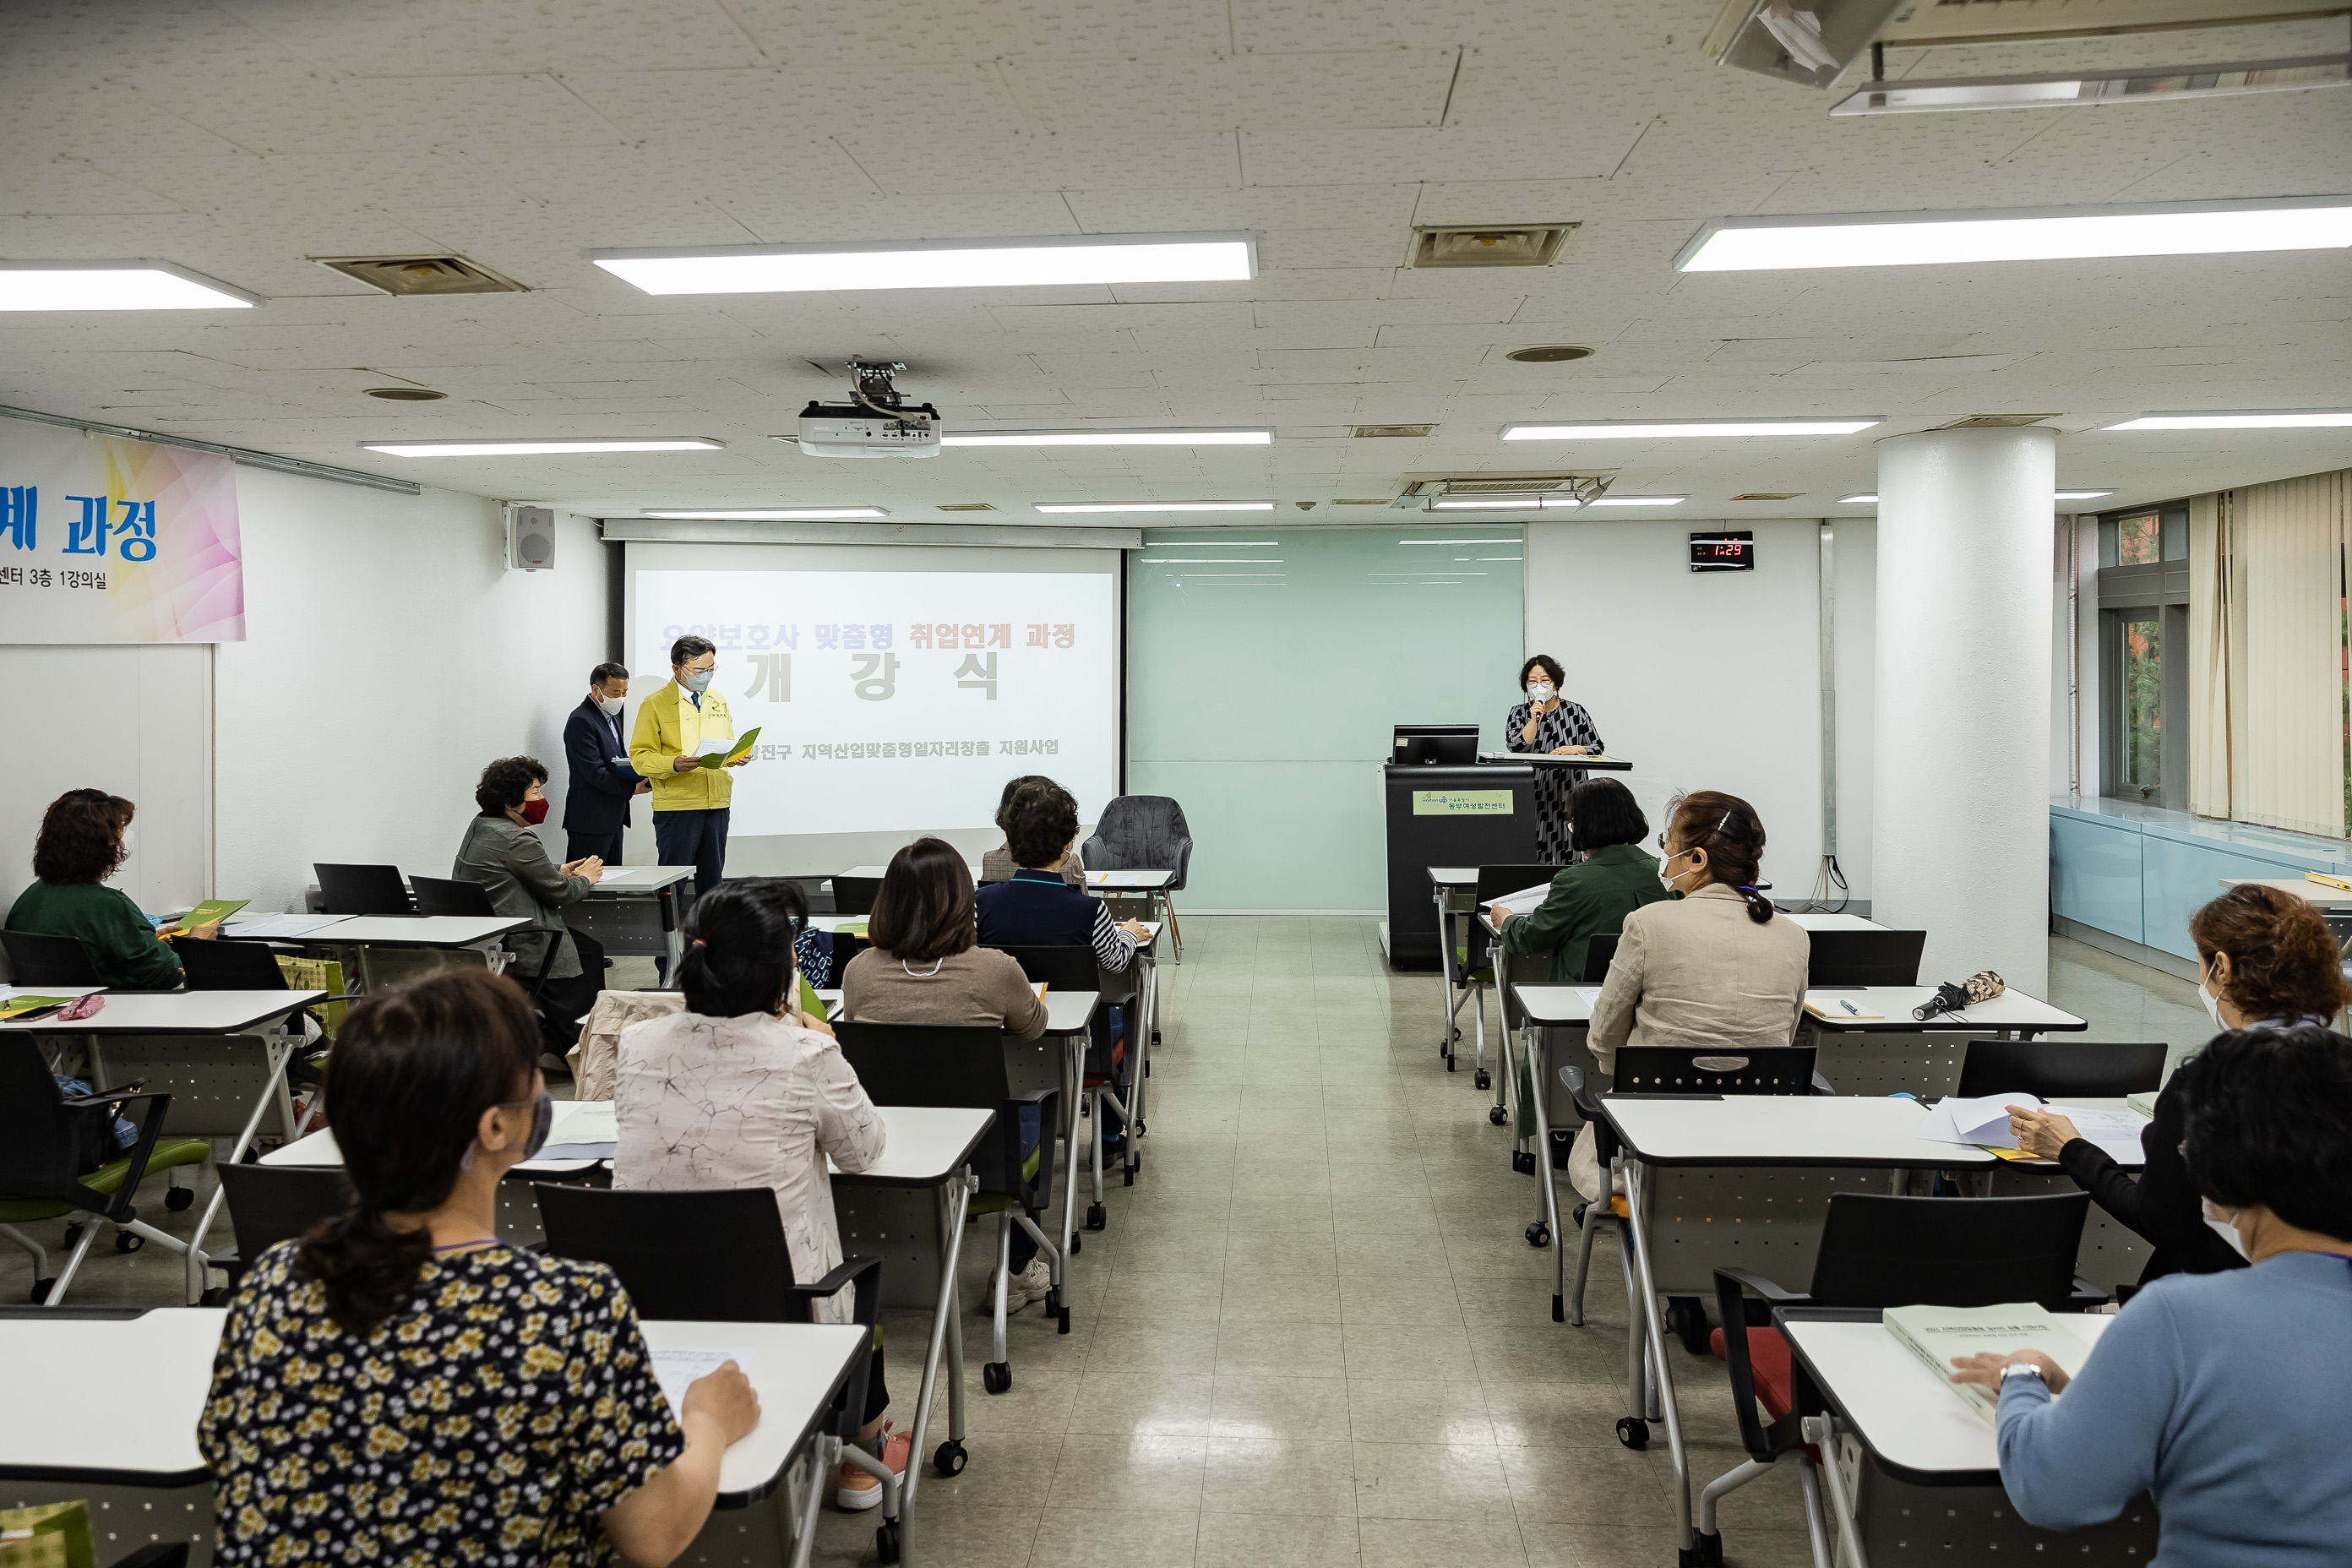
[104,539]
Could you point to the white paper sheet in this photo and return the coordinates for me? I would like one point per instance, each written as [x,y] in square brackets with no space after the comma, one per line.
[1526,902]
[676,1370]
[1591,994]
[285,925]
[590,1122]
[1984,1122]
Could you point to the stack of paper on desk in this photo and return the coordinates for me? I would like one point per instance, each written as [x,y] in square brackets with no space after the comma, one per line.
[1937,1335]
[1526,902]
[1984,1122]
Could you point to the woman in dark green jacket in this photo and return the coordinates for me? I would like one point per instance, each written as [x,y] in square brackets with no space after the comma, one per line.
[85,837]
[1593,897]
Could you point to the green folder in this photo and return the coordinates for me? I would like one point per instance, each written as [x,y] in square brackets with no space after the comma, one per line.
[206,914]
[720,760]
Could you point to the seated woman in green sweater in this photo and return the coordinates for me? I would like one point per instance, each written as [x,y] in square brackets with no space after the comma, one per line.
[85,837]
[1593,897]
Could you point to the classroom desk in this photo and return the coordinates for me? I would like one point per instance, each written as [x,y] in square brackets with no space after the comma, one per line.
[1831,922]
[1696,1132]
[1921,1453]
[928,1148]
[1580,763]
[518,1213]
[634,910]
[360,932]
[180,1013]
[1152,884]
[1452,889]
[121,1451]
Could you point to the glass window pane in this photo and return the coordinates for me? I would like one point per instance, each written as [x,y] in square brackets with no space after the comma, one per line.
[2137,540]
[2176,536]
[2143,695]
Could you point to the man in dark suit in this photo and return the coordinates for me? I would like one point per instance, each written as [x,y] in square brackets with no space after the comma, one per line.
[596,806]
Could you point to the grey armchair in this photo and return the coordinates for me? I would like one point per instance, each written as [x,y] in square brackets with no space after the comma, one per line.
[1143,833]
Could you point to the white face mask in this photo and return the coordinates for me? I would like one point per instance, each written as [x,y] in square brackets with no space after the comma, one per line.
[1541,691]
[2223,1228]
[2213,1007]
[130,841]
[611,705]
[1678,876]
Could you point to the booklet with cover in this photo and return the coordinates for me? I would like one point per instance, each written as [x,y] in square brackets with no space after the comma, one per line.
[719,752]
[1937,1334]
[204,914]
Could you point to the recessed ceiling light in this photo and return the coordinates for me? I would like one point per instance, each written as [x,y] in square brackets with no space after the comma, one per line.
[1502,503]
[535,449]
[2277,419]
[2143,85]
[1222,258]
[1872,499]
[1550,353]
[2046,234]
[1641,500]
[1200,437]
[793,514]
[114,286]
[1156,506]
[1656,430]
[406,394]
[1460,541]
[1858,500]
[1207,541]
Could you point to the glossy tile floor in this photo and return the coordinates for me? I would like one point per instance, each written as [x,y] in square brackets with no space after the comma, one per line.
[1313,1333]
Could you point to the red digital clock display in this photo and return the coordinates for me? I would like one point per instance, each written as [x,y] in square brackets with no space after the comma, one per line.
[1723,552]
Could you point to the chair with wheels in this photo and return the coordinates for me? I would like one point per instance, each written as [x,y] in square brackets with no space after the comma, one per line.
[1476,958]
[47,1144]
[36,959]
[361,891]
[1107,1081]
[920,1063]
[270,1204]
[453,896]
[1144,832]
[235,965]
[1882,1251]
[1673,1070]
[719,1257]
[2060,1069]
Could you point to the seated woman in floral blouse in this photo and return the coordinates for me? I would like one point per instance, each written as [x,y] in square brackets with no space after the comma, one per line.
[400,1386]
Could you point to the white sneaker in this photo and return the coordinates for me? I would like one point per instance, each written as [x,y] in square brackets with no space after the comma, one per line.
[1030,1285]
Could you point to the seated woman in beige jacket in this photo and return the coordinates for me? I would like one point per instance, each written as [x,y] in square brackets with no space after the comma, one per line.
[743,1089]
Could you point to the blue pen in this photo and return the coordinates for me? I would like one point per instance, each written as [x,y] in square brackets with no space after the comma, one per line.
[1849,1006]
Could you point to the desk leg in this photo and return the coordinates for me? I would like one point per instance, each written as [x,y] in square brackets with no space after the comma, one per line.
[1821,1431]
[1146,1032]
[1445,1026]
[1817,1535]
[1074,1070]
[824,1455]
[1503,1091]
[1637,1192]
[1538,1062]
[954,1198]
[278,1049]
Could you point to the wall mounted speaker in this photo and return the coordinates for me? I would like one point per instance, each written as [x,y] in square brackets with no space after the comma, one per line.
[530,539]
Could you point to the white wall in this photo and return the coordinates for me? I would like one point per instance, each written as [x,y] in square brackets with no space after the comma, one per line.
[1711,680]
[388,656]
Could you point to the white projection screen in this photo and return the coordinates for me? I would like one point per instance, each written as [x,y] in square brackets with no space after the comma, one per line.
[895,688]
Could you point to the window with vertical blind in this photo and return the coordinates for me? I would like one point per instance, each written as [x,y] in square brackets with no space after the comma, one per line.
[2143,596]
[1266,667]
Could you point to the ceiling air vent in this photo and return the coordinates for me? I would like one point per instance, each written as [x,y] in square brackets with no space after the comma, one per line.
[1996,421]
[1375,500]
[1550,353]
[422,274]
[965,505]
[1400,432]
[1581,485]
[1506,245]
[1768,495]
[406,394]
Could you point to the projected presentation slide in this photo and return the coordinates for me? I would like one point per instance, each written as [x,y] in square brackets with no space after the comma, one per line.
[899,700]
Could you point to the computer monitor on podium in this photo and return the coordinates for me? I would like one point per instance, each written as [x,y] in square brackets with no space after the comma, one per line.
[1455,744]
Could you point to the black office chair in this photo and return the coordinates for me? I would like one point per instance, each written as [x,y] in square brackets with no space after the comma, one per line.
[37,959]
[855,895]
[1107,1077]
[361,891]
[1863,958]
[270,1204]
[914,1064]
[718,1256]
[1669,1069]
[1882,1251]
[455,895]
[1600,952]
[2060,1069]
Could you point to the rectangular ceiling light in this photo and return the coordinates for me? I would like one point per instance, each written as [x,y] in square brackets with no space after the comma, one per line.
[2033,234]
[795,514]
[535,449]
[1641,500]
[2144,85]
[1221,258]
[1208,542]
[1460,541]
[2276,419]
[114,286]
[1156,506]
[1502,503]
[1656,430]
[1223,437]
[1872,499]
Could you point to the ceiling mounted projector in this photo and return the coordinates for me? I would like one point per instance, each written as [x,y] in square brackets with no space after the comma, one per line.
[877,422]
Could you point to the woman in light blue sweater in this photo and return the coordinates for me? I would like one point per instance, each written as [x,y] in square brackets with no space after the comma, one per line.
[2224,1396]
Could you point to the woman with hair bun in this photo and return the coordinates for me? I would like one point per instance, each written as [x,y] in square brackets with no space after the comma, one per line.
[402,1386]
[745,1089]
[2266,959]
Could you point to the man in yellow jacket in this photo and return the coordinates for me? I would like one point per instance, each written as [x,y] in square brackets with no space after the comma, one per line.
[674,726]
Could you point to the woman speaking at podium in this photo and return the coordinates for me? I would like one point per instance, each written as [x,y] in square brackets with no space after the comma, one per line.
[1550,725]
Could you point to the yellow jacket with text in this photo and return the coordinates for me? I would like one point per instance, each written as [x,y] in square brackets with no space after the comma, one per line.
[670,724]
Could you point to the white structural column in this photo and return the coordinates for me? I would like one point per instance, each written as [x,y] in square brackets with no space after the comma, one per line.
[1959,817]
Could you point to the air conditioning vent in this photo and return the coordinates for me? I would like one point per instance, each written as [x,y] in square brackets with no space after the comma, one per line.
[965,505]
[1390,432]
[406,275]
[1769,495]
[1550,353]
[1584,486]
[406,394]
[1377,501]
[1996,421]
[1503,245]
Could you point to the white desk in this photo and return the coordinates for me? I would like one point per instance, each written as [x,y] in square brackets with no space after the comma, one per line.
[10,993]
[319,1149]
[2319,893]
[2013,1014]
[144,1434]
[1583,764]
[1913,1429]
[360,932]
[1832,922]
[634,910]
[1451,890]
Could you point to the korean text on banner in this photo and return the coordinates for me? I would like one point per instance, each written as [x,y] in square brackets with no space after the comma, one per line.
[106,540]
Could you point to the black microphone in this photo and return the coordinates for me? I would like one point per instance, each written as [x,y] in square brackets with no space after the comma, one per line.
[1981,986]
